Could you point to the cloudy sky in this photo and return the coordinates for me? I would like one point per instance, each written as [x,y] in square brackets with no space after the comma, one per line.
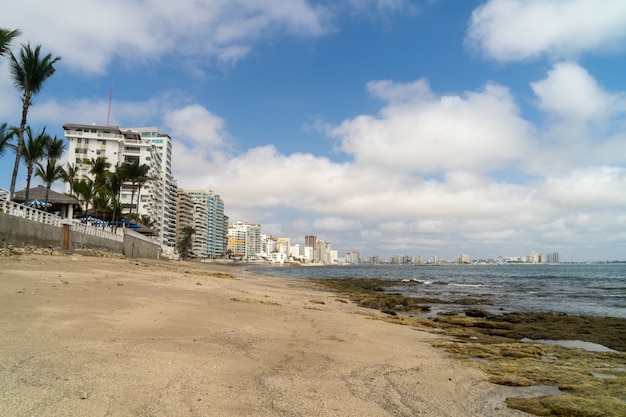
[389,127]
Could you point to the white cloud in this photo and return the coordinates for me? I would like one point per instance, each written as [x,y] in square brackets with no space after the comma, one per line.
[587,188]
[514,30]
[335,224]
[382,5]
[571,93]
[197,125]
[421,132]
[584,122]
[95,35]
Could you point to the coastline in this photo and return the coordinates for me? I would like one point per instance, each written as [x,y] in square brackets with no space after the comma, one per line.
[83,335]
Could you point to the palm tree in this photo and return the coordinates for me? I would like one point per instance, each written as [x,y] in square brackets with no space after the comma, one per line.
[55,148]
[6,135]
[101,203]
[69,174]
[137,175]
[34,150]
[114,182]
[6,37]
[141,181]
[185,242]
[29,74]
[49,174]
[99,168]
[85,191]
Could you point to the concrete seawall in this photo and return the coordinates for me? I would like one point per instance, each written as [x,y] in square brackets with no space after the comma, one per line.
[19,232]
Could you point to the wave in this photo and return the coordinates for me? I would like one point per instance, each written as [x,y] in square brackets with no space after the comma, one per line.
[421,281]
[453,284]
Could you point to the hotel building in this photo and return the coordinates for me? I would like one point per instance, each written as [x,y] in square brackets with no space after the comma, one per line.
[149,147]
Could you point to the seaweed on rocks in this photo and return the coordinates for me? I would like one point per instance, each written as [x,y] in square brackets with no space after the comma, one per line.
[588,383]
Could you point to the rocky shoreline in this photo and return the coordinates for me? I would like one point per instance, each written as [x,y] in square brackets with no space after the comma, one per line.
[589,383]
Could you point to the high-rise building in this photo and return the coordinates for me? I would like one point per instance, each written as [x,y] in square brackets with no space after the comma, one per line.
[283,245]
[211,213]
[162,142]
[353,257]
[310,241]
[117,146]
[322,252]
[244,240]
[192,213]
[552,258]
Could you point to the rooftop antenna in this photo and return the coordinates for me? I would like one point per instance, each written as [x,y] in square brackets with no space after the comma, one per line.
[110,98]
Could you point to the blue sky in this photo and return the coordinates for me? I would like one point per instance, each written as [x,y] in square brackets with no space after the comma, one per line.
[389,127]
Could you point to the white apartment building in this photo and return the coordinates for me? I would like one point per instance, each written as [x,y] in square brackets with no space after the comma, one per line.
[244,240]
[323,252]
[87,142]
[162,142]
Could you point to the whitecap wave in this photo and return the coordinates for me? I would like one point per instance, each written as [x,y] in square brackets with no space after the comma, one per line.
[465,285]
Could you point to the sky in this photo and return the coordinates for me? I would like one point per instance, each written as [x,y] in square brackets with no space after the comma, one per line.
[388,127]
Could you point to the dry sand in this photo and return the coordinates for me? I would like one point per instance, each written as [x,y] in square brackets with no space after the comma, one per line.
[89,336]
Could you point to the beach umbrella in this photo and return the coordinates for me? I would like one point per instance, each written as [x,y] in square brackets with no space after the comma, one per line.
[133,225]
[38,204]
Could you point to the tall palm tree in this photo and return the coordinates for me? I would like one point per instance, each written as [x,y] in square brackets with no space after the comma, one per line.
[49,173]
[53,150]
[114,182]
[6,37]
[141,181]
[34,150]
[137,175]
[29,72]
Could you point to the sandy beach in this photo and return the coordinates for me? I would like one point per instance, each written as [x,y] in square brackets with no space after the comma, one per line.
[88,336]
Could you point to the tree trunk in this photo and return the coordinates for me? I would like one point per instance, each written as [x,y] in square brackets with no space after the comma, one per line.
[28,177]
[20,144]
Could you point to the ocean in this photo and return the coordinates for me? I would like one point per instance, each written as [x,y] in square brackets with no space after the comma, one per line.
[576,289]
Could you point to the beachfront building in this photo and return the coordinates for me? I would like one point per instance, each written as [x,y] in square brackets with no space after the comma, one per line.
[552,258]
[244,241]
[353,257]
[162,143]
[283,245]
[310,247]
[208,220]
[269,245]
[295,251]
[190,213]
[323,252]
[89,142]
[308,254]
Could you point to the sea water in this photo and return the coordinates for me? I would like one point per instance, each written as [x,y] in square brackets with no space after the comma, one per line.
[577,289]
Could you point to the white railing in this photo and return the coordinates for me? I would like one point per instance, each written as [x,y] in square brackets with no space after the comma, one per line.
[106,232]
[20,210]
[26,212]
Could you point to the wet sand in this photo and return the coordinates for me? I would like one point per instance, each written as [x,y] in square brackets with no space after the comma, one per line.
[90,336]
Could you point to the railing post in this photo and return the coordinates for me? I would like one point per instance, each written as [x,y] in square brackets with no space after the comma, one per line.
[66,236]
